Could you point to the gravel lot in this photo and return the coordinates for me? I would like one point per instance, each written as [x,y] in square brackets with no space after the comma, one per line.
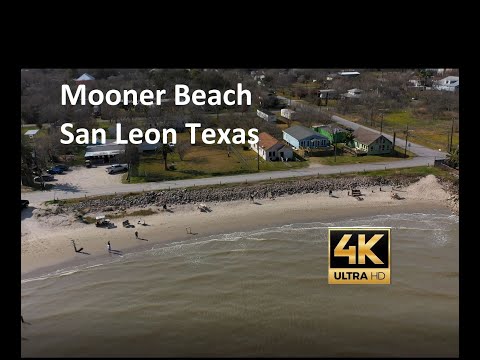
[80,178]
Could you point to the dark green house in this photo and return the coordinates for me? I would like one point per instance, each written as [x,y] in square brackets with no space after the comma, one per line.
[333,133]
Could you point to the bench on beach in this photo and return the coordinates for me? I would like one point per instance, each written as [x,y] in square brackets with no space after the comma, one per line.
[356,192]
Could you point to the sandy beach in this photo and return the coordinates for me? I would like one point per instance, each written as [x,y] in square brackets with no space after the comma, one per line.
[46,242]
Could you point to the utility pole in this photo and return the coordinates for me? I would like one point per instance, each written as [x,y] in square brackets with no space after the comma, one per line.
[406,141]
[451,137]
[335,142]
[258,156]
[394,138]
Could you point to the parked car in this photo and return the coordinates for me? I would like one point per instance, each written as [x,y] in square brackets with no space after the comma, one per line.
[116,168]
[55,170]
[62,166]
[42,178]
[24,204]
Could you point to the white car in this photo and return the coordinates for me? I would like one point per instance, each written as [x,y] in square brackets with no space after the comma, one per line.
[116,168]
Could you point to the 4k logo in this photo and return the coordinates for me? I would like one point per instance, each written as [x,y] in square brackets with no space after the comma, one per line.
[359,255]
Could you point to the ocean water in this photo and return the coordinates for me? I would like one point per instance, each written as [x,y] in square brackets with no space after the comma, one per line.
[259,293]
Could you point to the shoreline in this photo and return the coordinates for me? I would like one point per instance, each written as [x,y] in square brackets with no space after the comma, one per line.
[47,248]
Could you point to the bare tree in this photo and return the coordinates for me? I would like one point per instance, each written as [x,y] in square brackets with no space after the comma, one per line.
[132,158]
[27,162]
[182,147]
[165,149]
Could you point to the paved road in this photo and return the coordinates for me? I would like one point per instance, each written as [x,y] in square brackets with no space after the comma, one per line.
[40,196]
[424,157]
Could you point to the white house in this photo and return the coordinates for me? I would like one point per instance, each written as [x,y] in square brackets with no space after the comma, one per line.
[270,149]
[266,115]
[450,83]
[331,77]
[288,114]
[416,83]
[348,73]
[353,93]
[31,133]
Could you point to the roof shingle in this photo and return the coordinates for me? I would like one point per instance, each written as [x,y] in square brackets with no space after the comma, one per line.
[266,141]
[301,132]
[365,136]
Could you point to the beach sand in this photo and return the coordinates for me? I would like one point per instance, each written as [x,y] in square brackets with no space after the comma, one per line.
[46,242]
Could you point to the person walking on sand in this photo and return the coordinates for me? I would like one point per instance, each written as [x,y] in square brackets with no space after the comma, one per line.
[109,247]
[136,234]
[23,321]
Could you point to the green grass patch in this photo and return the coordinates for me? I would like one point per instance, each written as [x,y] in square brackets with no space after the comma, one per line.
[423,130]
[204,161]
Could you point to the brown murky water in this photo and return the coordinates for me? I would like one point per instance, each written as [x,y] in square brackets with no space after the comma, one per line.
[262,293]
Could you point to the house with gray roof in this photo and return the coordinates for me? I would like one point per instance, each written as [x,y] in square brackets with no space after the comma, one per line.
[353,94]
[370,143]
[109,152]
[450,83]
[300,136]
[85,77]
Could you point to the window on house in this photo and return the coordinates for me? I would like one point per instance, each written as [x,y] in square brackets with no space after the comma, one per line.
[383,147]
[371,148]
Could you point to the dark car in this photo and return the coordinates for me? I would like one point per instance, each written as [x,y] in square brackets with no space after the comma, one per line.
[62,166]
[55,170]
[43,178]
[24,204]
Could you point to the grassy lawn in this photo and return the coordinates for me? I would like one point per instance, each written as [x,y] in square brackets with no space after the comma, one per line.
[282,123]
[422,129]
[205,161]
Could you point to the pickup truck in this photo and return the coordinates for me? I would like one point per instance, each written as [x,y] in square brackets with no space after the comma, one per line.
[116,168]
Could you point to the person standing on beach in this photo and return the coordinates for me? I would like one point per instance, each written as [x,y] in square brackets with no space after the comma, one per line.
[109,247]
[136,234]
[23,321]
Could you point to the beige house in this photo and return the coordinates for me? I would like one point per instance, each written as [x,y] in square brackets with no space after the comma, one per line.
[271,149]
[371,143]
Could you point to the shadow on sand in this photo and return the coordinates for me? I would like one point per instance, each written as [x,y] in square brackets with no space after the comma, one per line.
[27,212]
[115,252]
